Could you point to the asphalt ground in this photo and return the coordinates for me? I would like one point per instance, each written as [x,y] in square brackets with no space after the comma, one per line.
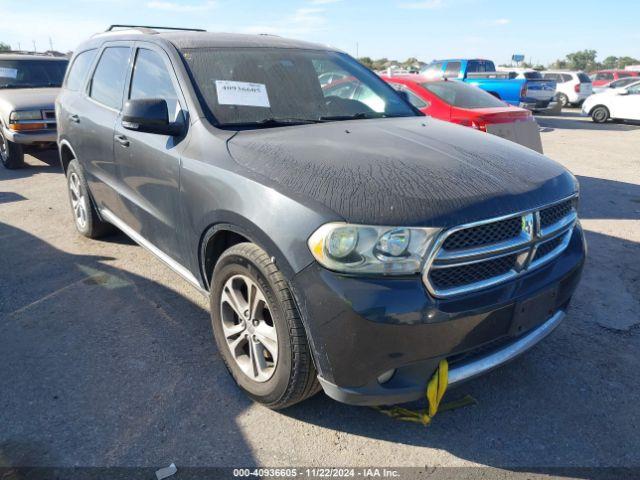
[107,357]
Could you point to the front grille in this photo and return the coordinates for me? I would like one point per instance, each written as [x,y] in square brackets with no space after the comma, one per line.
[49,114]
[482,254]
[453,277]
[484,234]
[555,213]
[546,248]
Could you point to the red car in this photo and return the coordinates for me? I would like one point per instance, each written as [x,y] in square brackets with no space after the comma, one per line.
[602,77]
[467,105]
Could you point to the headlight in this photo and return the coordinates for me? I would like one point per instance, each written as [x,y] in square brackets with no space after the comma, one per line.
[371,249]
[25,115]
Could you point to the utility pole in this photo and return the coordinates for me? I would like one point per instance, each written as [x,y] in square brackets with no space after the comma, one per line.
[34,46]
[50,44]
[357,50]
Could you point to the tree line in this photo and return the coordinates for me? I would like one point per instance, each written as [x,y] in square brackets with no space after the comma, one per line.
[585,60]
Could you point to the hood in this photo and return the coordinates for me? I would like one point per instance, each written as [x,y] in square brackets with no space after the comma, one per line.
[27,99]
[403,171]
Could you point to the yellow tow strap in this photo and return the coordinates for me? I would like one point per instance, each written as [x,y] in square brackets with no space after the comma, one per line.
[435,391]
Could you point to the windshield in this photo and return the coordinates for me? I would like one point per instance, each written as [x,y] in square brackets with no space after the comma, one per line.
[31,73]
[462,96]
[263,87]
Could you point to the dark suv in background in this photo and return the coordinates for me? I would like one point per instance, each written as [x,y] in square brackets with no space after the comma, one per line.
[344,244]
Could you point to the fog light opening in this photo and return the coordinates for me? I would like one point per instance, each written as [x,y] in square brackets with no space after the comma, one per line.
[386,376]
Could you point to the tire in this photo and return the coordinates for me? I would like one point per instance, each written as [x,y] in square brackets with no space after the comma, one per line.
[11,154]
[600,114]
[85,216]
[563,99]
[275,375]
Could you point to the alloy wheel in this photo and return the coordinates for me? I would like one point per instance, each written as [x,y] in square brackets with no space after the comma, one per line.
[4,148]
[78,201]
[248,328]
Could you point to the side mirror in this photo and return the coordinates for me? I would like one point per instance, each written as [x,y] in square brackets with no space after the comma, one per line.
[622,91]
[150,115]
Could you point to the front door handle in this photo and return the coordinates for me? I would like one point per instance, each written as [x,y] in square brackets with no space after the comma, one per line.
[74,118]
[122,140]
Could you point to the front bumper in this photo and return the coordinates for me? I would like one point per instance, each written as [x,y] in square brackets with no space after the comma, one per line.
[31,138]
[360,328]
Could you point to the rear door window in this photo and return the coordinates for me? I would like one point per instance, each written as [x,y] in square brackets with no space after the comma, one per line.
[107,84]
[151,79]
[634,90]
[480,66]
[452,70]
[79,69]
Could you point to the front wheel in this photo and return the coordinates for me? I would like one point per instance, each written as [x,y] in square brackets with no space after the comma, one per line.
[11,154]
[258,330]
[600,114]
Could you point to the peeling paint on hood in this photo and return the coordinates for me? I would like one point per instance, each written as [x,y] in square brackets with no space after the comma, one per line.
[403,171]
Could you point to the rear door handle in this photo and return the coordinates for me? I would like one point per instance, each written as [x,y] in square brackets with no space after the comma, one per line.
[74,118]
[122,140]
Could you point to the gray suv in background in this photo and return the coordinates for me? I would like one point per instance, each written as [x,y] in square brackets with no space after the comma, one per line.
[343,246]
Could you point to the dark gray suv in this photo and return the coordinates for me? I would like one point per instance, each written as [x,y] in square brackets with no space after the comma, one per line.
[345,241]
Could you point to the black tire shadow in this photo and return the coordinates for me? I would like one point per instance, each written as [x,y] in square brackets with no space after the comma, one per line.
[101,367]
[36,161]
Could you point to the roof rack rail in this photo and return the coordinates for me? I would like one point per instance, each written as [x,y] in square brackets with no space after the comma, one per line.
[148,27]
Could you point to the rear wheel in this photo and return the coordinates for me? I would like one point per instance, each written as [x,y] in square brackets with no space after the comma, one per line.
[563,99]
[600,114]
[85,216]
[258,330]
[11,154]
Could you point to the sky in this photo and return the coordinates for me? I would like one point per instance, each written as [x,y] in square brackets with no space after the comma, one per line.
[542,30]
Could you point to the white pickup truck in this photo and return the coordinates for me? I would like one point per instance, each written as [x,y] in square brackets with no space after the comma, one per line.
[29,85]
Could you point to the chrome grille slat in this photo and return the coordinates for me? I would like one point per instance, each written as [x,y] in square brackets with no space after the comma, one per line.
[488,233]
[470,264]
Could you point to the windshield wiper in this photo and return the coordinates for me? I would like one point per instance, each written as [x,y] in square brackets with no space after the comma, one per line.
[24,85]
[273,122]
[355,116]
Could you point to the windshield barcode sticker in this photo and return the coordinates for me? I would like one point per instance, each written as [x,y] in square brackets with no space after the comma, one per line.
[242,93]
[8,72]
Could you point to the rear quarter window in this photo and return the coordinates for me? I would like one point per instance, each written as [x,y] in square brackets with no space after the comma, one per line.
[79,68]
[584,78]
